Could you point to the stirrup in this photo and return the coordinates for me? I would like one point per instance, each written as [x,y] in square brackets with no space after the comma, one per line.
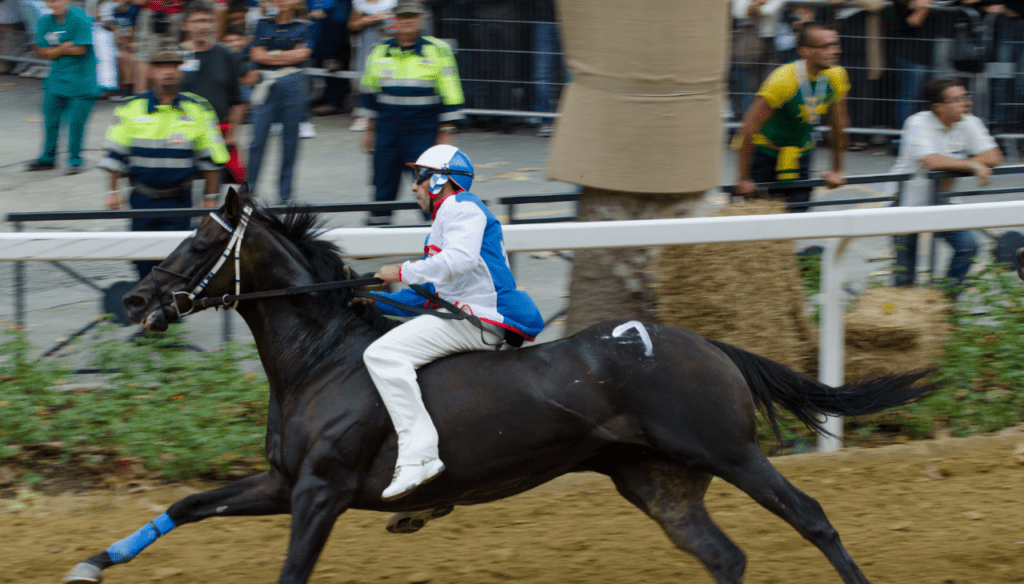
[411,522]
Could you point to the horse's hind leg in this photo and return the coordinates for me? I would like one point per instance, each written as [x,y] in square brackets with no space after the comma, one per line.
[673,496]
[263,494]
[756,476]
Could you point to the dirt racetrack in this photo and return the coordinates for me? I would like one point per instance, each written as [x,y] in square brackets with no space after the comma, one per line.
[946,512]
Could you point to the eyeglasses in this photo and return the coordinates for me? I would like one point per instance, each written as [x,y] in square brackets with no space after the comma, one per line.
[824,46]
[959,99]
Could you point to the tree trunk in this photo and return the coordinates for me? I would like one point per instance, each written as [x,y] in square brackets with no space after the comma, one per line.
[640,122]
[617,283]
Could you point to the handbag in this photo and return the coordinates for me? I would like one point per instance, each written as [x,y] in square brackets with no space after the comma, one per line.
[973,45]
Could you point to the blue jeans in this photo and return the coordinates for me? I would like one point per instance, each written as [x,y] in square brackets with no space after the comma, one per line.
[287,102]
[965,248]
[740,79]
[547,48]
[138,201]
[911,78]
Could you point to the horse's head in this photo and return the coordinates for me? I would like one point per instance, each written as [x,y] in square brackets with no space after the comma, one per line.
[201,266]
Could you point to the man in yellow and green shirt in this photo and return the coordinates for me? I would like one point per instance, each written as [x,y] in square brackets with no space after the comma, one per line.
[778,131]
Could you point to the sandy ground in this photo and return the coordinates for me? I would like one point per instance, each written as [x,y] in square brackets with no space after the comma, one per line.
[946,512]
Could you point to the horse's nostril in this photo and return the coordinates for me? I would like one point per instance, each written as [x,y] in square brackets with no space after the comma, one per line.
[134,300]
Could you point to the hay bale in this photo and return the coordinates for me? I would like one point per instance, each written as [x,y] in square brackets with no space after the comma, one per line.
[747,294]
[895,329]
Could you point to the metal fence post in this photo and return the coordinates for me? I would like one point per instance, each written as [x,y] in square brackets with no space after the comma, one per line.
[831,335]
[932,248]
[227,326]
[19,290]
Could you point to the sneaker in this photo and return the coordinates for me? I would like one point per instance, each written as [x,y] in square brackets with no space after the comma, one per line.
[413,521]
[74,169]
[37,71]
[306,130]
[409,476]
[359,125]
[38,165]
[545,131]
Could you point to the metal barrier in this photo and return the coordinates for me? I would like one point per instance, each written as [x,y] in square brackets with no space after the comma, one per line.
[117,290]
[943,198]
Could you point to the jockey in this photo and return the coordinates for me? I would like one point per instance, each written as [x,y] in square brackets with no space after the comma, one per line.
[464,263]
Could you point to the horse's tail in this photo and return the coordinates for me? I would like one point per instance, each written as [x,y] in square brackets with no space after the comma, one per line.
[806,398]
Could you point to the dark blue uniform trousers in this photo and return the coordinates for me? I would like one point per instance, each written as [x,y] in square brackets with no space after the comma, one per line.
[140,201]
[393,149]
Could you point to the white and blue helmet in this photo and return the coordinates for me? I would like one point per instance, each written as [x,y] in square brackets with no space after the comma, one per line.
[442,163]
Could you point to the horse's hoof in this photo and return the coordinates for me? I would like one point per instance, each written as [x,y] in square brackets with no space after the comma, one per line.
[84,573]
[414,521]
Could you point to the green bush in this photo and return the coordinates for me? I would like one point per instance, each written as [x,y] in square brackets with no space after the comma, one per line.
[982,365]
[181,412]
[187,414]
[980,371]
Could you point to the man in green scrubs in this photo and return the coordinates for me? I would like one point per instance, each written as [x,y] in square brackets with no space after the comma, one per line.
[70,91]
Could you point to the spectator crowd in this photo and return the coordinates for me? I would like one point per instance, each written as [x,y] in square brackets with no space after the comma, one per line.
[891,48]
[247,61]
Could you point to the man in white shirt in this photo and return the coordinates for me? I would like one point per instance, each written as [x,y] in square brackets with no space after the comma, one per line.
[465,264]
[947,137]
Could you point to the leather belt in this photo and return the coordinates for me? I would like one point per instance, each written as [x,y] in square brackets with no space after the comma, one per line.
[156,194]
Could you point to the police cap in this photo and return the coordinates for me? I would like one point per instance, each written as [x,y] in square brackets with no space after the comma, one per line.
[166,55]
[410,7]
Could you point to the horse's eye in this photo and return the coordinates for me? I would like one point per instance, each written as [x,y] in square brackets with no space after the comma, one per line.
[199,247]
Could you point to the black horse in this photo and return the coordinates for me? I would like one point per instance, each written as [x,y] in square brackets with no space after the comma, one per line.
[658,409]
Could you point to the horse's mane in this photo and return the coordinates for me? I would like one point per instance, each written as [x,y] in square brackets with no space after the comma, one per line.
[323,259]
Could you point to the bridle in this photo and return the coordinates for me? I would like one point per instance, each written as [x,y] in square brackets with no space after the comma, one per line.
[235,243]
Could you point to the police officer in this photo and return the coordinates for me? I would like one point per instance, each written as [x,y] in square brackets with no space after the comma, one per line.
[411,96]
[160,140]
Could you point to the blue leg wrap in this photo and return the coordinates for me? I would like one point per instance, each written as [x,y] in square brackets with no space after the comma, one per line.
[129,547]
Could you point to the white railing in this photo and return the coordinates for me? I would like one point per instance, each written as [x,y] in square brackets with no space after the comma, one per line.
[836,226]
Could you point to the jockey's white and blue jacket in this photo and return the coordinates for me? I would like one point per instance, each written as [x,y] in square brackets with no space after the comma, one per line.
[464,262]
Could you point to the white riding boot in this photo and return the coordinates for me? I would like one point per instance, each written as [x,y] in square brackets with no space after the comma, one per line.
[409,476]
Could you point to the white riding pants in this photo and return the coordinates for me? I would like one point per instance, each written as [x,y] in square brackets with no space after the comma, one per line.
[392,361]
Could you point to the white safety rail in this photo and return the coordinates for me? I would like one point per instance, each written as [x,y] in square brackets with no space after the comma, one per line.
[837,226]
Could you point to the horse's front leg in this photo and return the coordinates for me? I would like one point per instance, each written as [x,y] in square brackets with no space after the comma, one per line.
[262,494]
[316,504]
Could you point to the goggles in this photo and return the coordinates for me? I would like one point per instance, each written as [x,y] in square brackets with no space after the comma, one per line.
[421,174]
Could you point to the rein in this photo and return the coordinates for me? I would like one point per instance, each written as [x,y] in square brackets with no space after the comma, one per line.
[235,243]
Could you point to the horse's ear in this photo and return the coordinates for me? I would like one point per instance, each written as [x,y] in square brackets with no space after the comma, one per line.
[236,200]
